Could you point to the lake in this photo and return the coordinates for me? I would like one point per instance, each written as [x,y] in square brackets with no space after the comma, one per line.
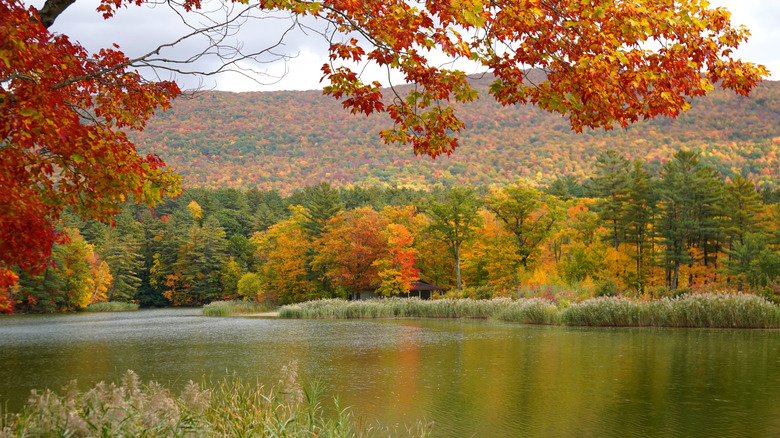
[470,377]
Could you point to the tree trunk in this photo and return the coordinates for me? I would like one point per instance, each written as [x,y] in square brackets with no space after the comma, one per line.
[615,238]
[639,263]
[457,264]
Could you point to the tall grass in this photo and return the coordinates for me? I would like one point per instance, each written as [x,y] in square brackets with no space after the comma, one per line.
[227,308]
[606,311]
[704,310]
[529,310]
[715,310]
[394,307]
[111,306]
[232,407]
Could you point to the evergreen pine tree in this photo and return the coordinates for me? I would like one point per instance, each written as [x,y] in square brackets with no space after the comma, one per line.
[611,183]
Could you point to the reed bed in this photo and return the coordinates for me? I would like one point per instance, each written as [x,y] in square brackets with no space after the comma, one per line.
[233,307]
[111,306]
[529,311]
[395,308]
[606,311]
[704,310]
[232,407]
[691,310]
[526,310]
[715,310]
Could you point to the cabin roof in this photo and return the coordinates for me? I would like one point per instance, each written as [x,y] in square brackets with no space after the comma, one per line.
[417,285]
[424,285]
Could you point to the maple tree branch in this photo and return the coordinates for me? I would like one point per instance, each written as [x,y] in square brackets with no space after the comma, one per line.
[21,76]
[51,10]
[231,55]
[216,34]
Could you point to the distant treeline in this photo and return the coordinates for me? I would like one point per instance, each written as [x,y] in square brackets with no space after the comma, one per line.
[625,230]
[288,139]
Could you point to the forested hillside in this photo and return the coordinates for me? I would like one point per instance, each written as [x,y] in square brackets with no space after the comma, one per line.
[285,140]
[642,235]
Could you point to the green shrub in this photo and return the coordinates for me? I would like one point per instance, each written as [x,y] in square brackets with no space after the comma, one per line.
[771,291]
[606,288]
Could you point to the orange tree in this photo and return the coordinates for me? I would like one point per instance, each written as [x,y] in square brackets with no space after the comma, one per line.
[602,63]
[350,245]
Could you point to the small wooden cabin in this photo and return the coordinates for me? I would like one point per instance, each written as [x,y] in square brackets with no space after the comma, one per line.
[420,289]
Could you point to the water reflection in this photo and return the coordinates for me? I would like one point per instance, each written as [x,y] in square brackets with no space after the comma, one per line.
[475,378]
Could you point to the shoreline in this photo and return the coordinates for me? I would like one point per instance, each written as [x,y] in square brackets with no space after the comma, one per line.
[270,315]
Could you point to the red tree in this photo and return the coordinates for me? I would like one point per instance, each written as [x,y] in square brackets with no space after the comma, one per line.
[62,111]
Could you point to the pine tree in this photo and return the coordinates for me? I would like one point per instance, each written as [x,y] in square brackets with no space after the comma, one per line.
[611,183]
[689,194]
[740,208]
[322,203]
[123,255]
[636,222]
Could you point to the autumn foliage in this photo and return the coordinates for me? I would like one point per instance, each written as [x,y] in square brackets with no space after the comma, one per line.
[596,58]
[65,112]
[684,228]
[283,140]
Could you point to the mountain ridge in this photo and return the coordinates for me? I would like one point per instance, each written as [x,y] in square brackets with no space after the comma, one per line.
[283,140]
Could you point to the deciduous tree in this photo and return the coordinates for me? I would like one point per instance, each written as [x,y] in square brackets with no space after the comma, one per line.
[396,268]
[63,112]
[526,215]
[454,221]
[602,64]
[349,246]
[282,251]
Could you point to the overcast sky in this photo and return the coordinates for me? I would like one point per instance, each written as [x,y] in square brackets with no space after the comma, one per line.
[138,30]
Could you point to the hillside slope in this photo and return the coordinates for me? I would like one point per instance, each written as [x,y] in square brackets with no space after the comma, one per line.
[284,140]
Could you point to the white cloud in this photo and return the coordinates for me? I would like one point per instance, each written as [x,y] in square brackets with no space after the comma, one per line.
[140,29]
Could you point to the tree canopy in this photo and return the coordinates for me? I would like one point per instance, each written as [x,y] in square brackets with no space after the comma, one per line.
[601,63]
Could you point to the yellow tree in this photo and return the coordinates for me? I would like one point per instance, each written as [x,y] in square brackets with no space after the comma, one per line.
[492,257]
[101,279]
[282,251]
[529,216]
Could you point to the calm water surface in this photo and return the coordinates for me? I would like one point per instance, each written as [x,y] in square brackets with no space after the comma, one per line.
[471,378]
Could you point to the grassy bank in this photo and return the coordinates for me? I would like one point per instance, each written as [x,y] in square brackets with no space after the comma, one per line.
[232,407]
[227,308]
[111,306]
[704,310]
